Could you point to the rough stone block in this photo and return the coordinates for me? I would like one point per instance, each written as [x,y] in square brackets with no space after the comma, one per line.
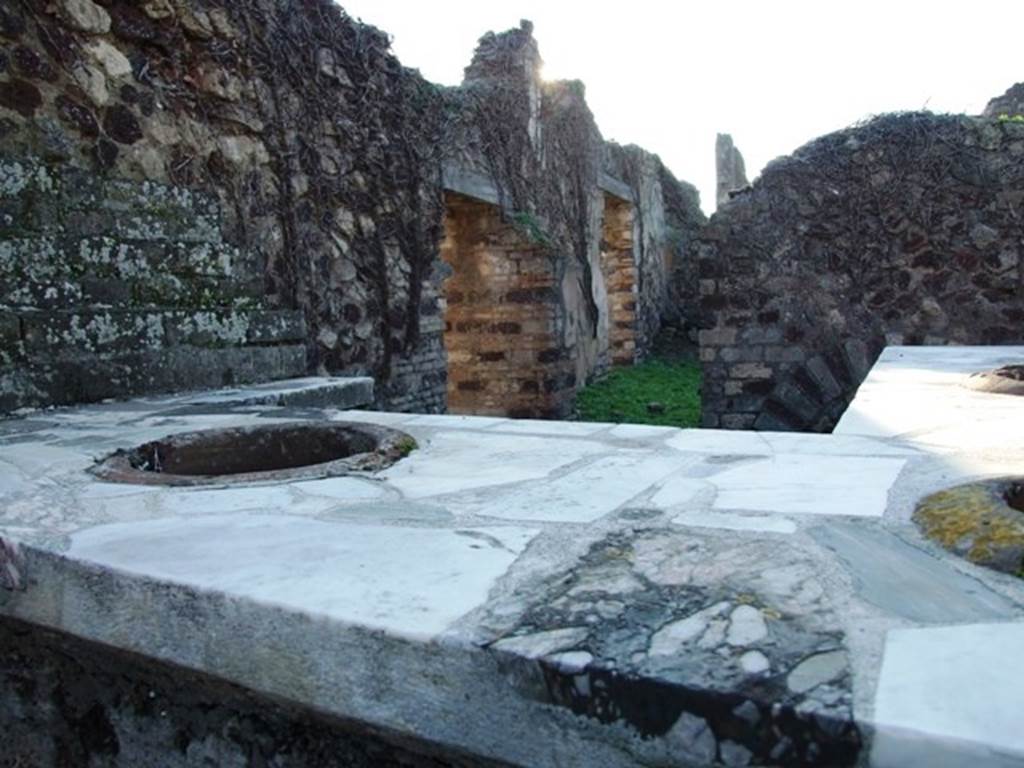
[797,402]
[858,358]
[783,354]
[750,371]
[737,421]
[717,337]
[276,326]
[97,332]
[819,370]
[761,335]
[212,328]
[10,331]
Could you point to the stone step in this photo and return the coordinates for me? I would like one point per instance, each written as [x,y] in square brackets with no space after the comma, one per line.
[76,377]
[67,256]
[112,332]
[90,292]
[60,272]
[38,198]
[340,392]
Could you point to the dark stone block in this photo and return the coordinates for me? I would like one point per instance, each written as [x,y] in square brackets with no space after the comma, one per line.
[31,64]
[819,371]
[760,387]
[121,125]
[276,327]
[10,332]
[105,290]
[552,355]
[859,358]
[713,302]
[105,153]
[20,96]
[131,24]
[530,296]
[12,26]
[78,116]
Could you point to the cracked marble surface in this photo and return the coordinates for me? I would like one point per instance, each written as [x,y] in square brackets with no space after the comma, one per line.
[650,596]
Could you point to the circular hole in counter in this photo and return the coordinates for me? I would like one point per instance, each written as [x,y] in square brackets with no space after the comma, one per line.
[265,453]
[1006,380]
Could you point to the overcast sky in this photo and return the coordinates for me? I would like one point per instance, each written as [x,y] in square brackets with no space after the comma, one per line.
[773,73]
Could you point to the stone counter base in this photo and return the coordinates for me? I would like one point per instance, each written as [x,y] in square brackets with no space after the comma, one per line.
[65,701]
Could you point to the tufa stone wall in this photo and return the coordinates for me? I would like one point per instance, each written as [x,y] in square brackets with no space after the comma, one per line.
[324,178]
[904,230]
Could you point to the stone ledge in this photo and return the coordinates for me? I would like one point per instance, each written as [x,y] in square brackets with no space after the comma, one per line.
[313,391]
[70,377]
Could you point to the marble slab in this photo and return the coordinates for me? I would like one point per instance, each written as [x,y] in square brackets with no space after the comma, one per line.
[347,572]
[808,484]
[951,696]
[451,462]
[585,494]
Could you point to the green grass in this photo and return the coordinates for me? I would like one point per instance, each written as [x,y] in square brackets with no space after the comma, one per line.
[624,394]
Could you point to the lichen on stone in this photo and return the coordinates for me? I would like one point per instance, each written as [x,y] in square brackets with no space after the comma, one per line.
[977,522]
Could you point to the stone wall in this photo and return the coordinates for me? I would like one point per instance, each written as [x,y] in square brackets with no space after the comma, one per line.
[904,230]
[666,219]
[549,171]
[326,173]
[114,287]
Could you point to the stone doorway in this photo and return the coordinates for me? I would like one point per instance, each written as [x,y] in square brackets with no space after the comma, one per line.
[501,317]
[618,267]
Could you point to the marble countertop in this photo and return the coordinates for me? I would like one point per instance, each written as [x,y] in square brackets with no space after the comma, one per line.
[561,593]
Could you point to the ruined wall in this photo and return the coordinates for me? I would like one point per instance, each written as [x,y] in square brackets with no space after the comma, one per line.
[666,218]
[316,148]
[552,173]
[1009,104]
[321,163]
[730,170]
[904,230]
